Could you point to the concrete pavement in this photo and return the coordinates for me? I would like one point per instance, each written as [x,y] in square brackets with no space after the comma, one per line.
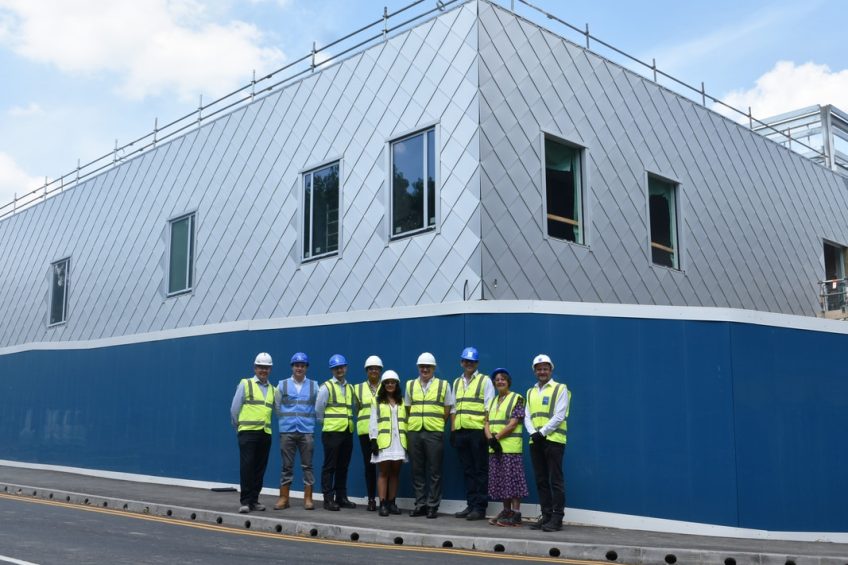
[588,543]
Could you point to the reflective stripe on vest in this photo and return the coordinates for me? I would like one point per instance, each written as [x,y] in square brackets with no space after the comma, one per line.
[426,411]
[499,417]
[297,410]
[338,414]
[384,425]
[470,403]
[541,412]
[255,413]
[365,398]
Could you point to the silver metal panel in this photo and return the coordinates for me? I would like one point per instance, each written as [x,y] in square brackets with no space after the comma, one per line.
[241,175]
[752,214]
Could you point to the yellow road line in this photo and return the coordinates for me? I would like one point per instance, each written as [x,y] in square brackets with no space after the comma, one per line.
[290,537]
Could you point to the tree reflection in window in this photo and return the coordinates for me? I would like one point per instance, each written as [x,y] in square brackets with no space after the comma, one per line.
[413,198]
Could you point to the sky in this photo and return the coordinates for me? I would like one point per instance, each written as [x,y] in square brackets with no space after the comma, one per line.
[77,75]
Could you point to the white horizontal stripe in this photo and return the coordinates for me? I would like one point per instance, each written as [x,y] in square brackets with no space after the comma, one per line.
[6,559]
[648,312]
[572,515]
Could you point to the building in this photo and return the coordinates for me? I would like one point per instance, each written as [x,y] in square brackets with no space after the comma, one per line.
[474,180]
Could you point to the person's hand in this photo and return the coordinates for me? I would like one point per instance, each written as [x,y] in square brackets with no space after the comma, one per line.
[375,449]
[495,445]
[537,437]
[452,439]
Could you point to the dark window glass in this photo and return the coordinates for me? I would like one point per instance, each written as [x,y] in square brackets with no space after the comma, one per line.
[563,192]
[59,291]
[181,265]
[321,211]
[663,211]
[413,202]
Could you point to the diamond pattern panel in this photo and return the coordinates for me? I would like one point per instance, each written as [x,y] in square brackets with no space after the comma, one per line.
[241,174]
[752,214]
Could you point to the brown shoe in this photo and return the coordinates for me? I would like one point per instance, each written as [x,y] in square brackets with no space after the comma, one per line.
[283,501]
[307,498]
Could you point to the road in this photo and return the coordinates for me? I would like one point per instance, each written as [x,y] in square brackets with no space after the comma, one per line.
[51,532]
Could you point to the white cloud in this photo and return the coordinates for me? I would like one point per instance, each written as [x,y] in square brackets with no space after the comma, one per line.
[31,109]
[788,87]
[14,180]
[153,46]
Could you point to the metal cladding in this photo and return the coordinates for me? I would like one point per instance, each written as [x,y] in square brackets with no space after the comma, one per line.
[752,214]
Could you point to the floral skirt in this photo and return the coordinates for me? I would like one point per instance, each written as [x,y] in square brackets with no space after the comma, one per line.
[506,477]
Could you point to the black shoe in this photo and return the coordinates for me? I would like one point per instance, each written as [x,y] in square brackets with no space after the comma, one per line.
[256,506]
[433,512]
[475,515]
[345,503]
[419,511]
[384,509]
[393,509]
[463,513]
[330,505]
[372,505]
[554,524]
[543,519]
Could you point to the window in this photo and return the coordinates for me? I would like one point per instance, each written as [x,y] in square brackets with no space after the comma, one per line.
[662,203]
[59,291]
[563,191]
[413,192]
[181,259]
[834,288]
[321,211]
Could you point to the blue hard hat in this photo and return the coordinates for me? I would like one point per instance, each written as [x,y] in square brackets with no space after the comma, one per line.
[470,354]
[300,357]
[499,370]
[337,361]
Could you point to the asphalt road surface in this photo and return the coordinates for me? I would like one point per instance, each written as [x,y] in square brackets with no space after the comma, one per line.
[35,531]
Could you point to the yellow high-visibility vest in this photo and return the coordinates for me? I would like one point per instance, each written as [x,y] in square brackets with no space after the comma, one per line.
[384,425]
[255,413]
[499,416]
[338,414]
[541,406]
[426,411]
[470,402]
[365,398]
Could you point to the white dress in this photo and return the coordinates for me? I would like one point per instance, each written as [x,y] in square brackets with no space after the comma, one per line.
[395,451]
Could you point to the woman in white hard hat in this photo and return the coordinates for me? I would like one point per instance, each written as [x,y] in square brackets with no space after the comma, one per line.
[387,430]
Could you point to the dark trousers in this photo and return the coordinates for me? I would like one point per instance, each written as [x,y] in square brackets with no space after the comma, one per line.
[473,454]
[338,447]
[426,451]
[370,468]
[546,457]
[254,447]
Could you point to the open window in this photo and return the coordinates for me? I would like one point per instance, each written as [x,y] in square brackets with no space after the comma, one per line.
[181,255]
[662,204]
[564,191]
[59,291]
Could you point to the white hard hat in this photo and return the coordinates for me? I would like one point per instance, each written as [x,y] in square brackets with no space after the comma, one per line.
[373,361]
[263,359]
[542,358]
[426,359]
[389,376]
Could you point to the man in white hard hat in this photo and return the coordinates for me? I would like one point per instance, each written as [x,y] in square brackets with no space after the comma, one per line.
[366,392]
[250,413]
[545,419]
[428,400]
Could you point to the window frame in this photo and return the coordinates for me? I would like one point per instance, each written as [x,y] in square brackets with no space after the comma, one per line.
[53,265]
[676,235]
[583,152]
[435,228]
[192,252]
[302,210]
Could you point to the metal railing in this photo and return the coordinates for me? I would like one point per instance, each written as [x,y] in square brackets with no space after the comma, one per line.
[369,34]
[833,295]
[306,65]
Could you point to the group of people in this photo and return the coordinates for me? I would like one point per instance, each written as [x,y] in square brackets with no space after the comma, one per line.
[487,422]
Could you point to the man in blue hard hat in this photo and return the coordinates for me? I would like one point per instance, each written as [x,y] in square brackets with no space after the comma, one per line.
[334,408]
[473,391]
[296,418]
